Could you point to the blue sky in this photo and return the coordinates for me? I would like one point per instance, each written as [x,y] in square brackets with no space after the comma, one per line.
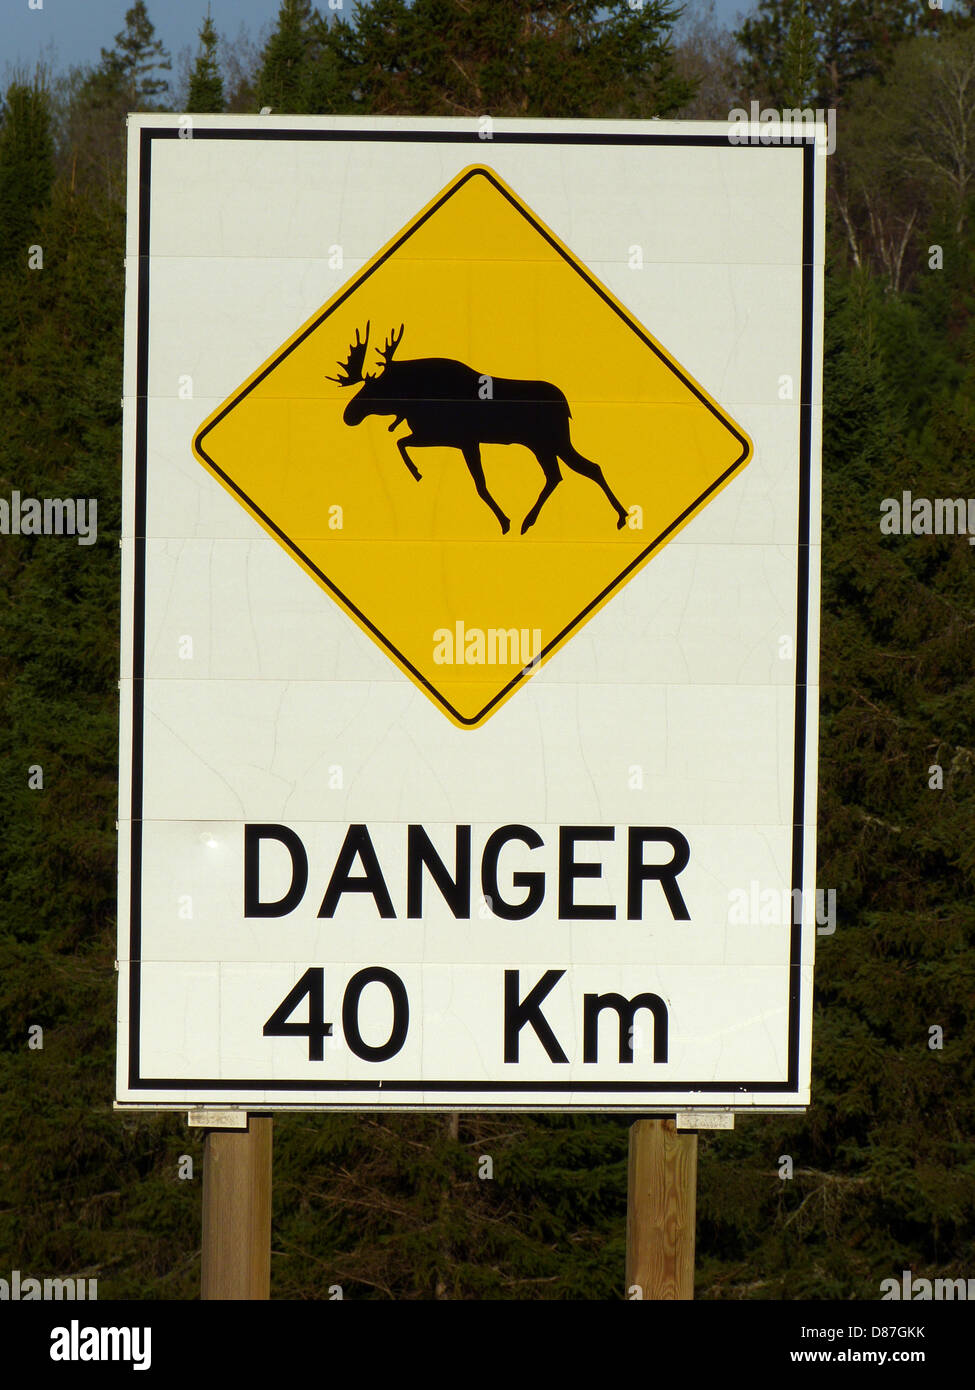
[74,31]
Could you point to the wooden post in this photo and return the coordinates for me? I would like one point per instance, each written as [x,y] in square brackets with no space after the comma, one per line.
[237,1212]
[660,1211]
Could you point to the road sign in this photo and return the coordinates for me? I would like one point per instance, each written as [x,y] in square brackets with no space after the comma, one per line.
[476,616]
[469,615]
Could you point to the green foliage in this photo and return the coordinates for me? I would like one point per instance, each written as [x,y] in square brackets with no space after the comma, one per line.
[799,60]
[885,1158]
[206,84]
[903,176]
[287,58]
[401,1207]
[26,169]
[131,67]
[82,1192]
[299,72]
[850,40]
[476,57]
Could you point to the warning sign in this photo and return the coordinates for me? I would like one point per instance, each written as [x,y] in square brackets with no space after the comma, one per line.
[472,446]
[470,575]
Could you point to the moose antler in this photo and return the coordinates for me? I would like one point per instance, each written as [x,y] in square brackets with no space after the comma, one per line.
[392,343]
[352,366]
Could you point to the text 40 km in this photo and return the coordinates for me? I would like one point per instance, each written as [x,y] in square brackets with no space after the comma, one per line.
[520,1010]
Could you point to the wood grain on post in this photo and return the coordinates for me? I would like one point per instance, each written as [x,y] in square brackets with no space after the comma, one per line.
[237,1212]
[660,1211]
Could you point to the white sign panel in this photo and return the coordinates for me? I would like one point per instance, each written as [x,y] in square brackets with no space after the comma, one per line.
[470,615]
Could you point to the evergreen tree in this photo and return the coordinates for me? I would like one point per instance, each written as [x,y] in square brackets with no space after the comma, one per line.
[851,40]
[884,1161]
[799,60]
[105,87]
[206,84]
[300,69]
[288,56]
[476,57]
[136,60]
[80,1189]
[26,168]
[405,1207]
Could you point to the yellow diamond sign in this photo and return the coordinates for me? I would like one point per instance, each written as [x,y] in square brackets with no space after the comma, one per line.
[472,446]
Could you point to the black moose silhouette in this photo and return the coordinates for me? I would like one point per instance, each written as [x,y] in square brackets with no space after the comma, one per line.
[448,405]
